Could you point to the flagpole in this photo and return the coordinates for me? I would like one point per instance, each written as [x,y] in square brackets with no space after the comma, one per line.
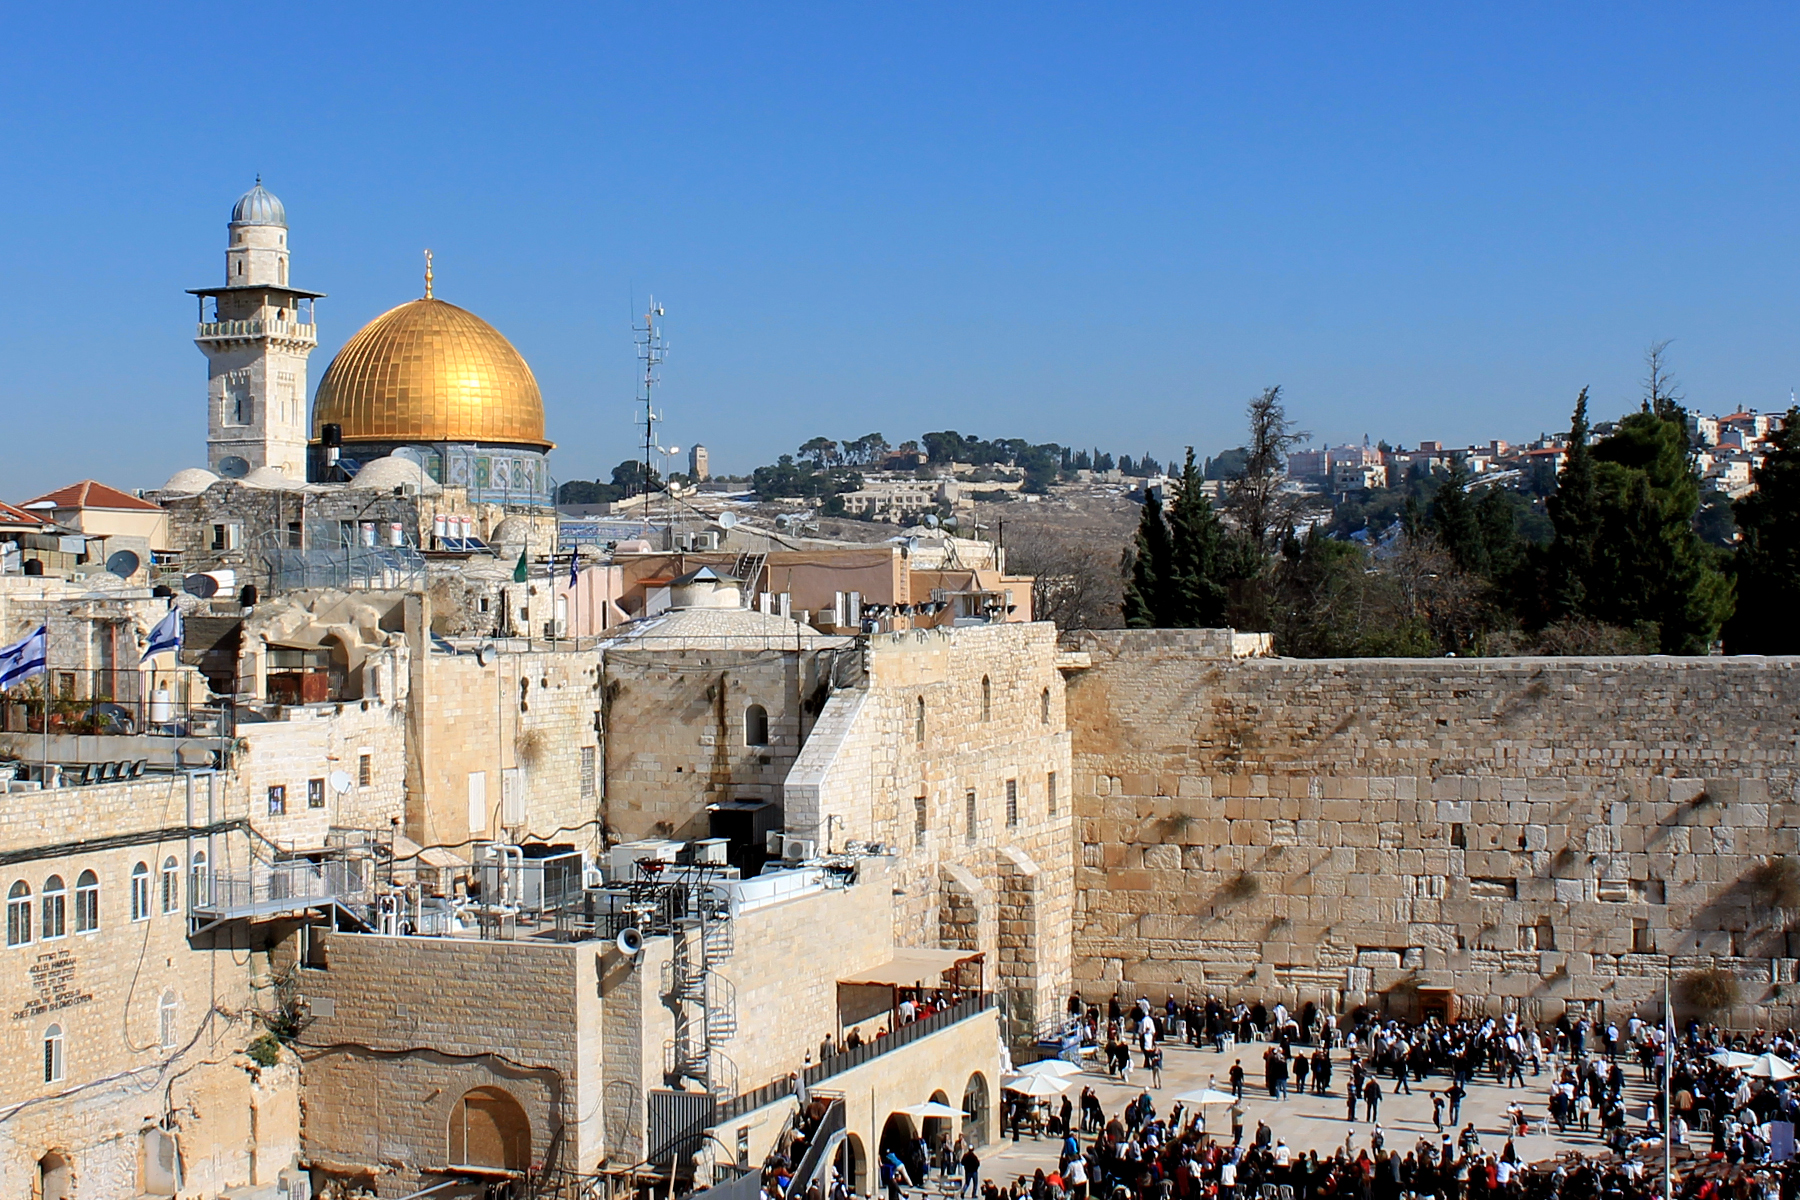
[47,714]
[1668,1075]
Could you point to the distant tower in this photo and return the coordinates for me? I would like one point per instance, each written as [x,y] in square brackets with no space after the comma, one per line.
[697,469]
[256,338]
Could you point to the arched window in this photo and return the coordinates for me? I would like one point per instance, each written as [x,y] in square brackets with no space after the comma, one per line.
[756,726]
[140,892]
[987,698]
[1044,707]
[171,884]
[56,913]
[488,1129]
[165,1020]
[198,891]
[18,914]
[53,1054]
[87,902]
[919,722]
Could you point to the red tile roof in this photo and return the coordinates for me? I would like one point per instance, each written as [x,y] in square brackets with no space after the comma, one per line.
[18,516]
[90,493]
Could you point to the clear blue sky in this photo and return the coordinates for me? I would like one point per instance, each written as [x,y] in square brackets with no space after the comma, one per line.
[1099,225]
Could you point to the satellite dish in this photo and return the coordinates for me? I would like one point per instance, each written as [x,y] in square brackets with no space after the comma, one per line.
[728,520]
[340,781]
[233,467]
[124,564]
[201,585]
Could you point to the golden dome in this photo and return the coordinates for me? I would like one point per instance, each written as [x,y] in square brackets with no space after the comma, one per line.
[428,371]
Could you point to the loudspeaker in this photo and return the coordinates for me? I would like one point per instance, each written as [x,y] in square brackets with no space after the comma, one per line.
[630,942]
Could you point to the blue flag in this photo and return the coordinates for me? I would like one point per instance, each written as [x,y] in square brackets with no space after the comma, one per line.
[574,569]
[24,658]
[165,637]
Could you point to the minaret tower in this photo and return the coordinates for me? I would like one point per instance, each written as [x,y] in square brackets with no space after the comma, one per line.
[256,338]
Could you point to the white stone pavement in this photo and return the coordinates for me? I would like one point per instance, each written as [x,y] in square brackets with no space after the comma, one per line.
[1318,1122]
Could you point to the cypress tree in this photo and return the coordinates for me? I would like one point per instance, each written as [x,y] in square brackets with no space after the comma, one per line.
[1768,560]
[1197,555]
[1148,585]
[1575,514]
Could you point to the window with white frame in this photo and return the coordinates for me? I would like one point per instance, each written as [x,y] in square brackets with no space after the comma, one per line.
[165,1020]
[198,889]
[171,884]
[53,1054]
[18,914]
[87,902]
[56,912]
[140,892]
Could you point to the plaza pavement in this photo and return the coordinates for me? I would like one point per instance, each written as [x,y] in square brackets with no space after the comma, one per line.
[1317,1122]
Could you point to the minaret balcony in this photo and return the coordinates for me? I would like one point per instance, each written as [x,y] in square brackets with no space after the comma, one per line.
[255,330]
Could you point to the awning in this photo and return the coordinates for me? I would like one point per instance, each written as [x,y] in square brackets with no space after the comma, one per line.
[911,966]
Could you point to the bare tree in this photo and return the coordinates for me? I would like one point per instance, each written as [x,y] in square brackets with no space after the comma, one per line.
[1253,499]
[1076,576]
[1661,389]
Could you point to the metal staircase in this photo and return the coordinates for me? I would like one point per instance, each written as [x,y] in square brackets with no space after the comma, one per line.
[705,1002]
[748,570]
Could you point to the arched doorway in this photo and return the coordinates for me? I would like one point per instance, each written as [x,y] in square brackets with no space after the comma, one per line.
[56,1178]
[900,1137]
[852,1164]
[937,1130]
[489,1130]
[975,1110]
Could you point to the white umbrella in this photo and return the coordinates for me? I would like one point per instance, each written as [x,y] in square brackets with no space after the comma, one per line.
[1056,1068]
[1732,1059]
[1038,1085]
[1204,1097]
[931,1108]
[1768,1066]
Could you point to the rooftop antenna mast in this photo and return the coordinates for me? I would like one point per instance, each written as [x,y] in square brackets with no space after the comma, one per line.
[651,349]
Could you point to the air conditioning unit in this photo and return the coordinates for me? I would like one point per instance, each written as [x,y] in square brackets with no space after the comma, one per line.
[797,850]
[710,850]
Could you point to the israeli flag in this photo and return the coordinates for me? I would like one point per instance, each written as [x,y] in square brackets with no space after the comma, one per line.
[24,658]
[165,637]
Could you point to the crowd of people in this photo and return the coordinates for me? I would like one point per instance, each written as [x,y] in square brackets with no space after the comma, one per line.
[1724,1118]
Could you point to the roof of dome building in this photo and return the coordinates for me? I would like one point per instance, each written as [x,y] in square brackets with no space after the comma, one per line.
[273,479]
[429,371]
[258,207]
[190,481]
[721,629]
[387,473]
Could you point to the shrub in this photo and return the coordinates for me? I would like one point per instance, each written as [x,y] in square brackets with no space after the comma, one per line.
[1240,887]
[265,1051]
[1710,989]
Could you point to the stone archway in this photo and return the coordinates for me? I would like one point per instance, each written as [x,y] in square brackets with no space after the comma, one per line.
[901,1138]
[937,1130]
[489,1129]
[852,1165]
[56,1177]
[975,1110]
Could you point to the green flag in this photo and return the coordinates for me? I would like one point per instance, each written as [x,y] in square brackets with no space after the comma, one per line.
[520,574]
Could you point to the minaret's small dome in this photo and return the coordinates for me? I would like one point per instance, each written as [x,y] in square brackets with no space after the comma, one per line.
[258,207]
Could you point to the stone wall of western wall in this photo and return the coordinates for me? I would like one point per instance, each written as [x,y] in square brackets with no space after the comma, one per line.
[1537,834]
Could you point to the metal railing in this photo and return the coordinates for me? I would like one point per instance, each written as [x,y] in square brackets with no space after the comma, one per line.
[848,1060]
[119,702]
[222,330]
[275,887]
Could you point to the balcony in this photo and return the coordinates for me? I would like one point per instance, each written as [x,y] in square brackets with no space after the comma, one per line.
[234,331]
[273,889]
